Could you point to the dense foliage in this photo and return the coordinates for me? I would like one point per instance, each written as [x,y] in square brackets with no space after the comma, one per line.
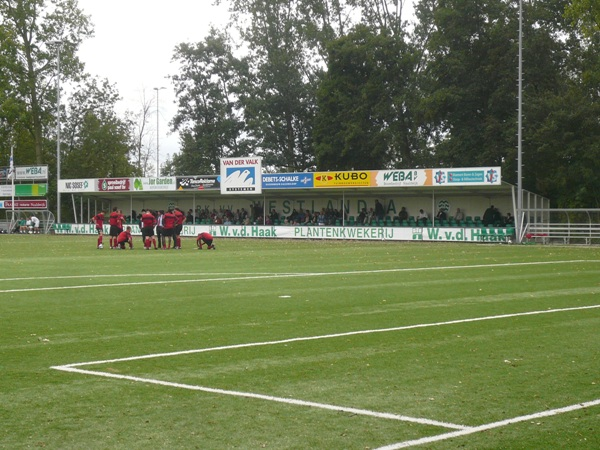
[332,85]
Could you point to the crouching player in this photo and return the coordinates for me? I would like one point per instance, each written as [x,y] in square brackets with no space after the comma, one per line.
[205,238]
[125,237]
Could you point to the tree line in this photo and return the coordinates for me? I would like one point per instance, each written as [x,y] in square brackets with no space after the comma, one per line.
[329,85]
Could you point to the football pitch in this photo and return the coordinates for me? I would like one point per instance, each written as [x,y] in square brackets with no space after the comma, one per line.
[298,345]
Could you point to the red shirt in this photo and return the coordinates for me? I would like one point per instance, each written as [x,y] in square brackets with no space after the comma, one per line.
[204,235]
[180,217]
[124,236]
[148,220]
[99,219]
[113,219]
[169,220]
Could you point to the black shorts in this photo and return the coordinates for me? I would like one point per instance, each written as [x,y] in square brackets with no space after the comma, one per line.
[114,231]
[167,232]
[99,230]
[177,230]
[147,231]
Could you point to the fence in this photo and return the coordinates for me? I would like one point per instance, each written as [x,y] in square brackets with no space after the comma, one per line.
[564,226]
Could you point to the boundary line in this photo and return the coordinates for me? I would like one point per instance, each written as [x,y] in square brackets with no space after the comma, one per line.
[490,426]
[461,430]
[287,275]
[324,336]
[289,401]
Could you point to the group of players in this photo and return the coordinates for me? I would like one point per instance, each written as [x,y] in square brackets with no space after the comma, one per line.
[168,230]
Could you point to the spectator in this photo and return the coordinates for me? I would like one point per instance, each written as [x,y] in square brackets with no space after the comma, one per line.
[362,217]
[189,218]
[488,216]
[459,215]
[509,220]
[441,215]
[422,217]
[379,213]
[403,214]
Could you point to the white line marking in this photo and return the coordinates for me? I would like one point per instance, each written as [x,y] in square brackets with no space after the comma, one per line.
[462,429]
[289,401]
[204,278]
[489,426]
[330,336]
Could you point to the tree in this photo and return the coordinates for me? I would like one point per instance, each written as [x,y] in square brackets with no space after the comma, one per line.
[208,116]
[585,14]
[368,104]
[98,143]
[277,93]
[32,27]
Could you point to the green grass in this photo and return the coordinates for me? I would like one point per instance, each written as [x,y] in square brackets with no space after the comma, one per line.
[64,302]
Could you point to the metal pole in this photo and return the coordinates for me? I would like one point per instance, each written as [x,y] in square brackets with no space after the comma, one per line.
[58,47]
[157,134]
[519,223]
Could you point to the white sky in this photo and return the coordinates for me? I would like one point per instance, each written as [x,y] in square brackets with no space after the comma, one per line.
[133,45]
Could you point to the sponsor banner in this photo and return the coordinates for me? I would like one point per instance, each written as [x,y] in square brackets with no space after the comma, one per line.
[476,176]
[31,172]
[113,184]
[6,190]
[403,178]
[24,204]
[26,172]
[287,181]
[75,186]
[31,190]
[307,232]
[154,184]
[241,175]
[198,183]
[342,179]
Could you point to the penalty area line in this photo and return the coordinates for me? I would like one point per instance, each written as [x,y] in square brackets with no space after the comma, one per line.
[490,426]
[289,401]
[330,336]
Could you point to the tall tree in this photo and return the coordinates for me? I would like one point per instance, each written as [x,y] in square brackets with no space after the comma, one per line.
[97,142]
[37,30]
[208,117]
[369,103]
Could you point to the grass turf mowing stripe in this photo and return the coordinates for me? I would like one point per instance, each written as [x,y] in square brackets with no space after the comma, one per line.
[326,336]
[289,401]
[288,275]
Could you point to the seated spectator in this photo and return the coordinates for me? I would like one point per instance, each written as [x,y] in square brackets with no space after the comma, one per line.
[509,220]
[422,217]
[403,214]
[362,217]
[441,215]
[459,215]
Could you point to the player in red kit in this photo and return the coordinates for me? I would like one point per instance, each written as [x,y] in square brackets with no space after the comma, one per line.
[205,238]
[125,238]
[169,222]
[148,222]
[178,227]
[115,227]
[98,219]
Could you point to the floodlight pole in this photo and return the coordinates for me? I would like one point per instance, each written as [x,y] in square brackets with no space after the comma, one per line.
[157,135]
[58,48]
[520,222]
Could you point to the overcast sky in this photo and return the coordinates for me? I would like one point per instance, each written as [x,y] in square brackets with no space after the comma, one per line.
[133,46]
